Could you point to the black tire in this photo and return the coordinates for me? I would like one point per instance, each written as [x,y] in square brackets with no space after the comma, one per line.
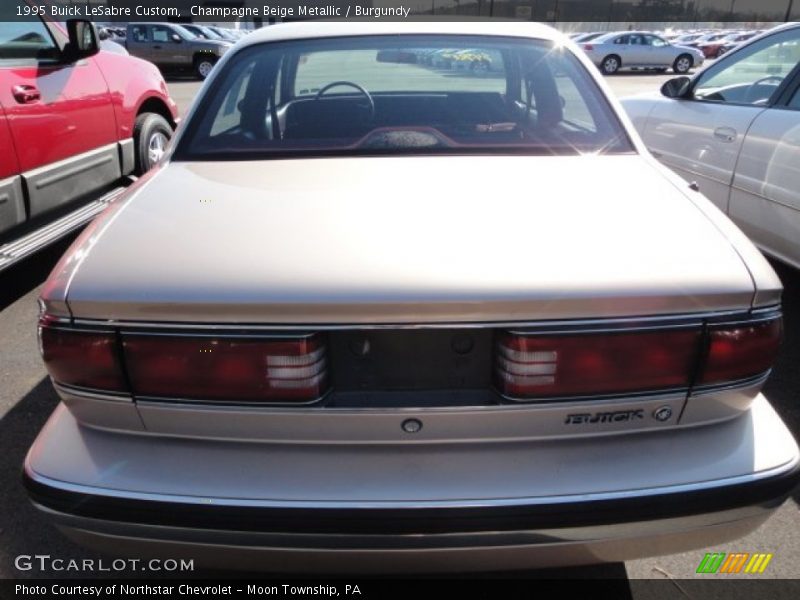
[203,65]
[610,64]
[150,130]
[682,64]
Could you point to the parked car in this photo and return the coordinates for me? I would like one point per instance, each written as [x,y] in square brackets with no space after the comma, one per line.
[587,37]
[173,47]
[734,129]
[687,38]
[707,38]
[203,32]
[410,320]
[713,47]
[73,119]
[637,50]
[737,41]
[228,34]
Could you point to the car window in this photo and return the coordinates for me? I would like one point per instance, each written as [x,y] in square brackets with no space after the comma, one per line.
[625,39]
[229,114]
[656,42]
[25,42]
[139,33]
[753,74]
[402,95]
[795,101]
[161,34]
[472,69]
[574,102]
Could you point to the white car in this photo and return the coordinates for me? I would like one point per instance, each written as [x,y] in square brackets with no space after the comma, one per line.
[640,50]
[734,129]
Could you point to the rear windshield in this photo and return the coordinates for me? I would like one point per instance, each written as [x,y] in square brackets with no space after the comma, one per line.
[401,95]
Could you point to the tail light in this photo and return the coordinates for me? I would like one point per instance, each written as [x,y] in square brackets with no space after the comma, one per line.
[741,351]
[292,370]
[588,47]
[531,366]
[87,359]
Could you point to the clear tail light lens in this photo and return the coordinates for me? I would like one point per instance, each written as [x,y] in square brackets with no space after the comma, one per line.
[209,368]
[87,359]
[741,351]
[542,365]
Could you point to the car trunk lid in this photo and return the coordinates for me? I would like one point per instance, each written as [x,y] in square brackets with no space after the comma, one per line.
[390,240]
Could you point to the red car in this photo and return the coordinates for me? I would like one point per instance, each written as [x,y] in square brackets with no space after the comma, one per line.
[76,119]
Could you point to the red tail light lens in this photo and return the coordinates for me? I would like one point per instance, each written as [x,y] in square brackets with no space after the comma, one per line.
[741,351]
[542,365]
[207,368]
[87,359]
[588,47]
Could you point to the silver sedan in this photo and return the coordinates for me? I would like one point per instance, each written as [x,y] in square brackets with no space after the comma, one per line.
[369,314]
[640,50]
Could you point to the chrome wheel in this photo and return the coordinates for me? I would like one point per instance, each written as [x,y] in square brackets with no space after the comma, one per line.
[683,64]
[204,68]
[156,147]
[610,65]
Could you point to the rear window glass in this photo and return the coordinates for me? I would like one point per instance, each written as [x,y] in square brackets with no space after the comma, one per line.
[402,95]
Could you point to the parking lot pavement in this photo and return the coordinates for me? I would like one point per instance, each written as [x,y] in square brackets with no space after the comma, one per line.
[27,398]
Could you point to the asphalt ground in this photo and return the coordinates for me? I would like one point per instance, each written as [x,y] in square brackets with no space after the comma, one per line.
[27,399]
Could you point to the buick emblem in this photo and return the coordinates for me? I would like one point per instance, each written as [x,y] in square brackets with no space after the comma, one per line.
[662,414]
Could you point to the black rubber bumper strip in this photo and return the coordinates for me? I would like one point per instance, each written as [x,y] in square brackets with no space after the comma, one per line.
[768,492]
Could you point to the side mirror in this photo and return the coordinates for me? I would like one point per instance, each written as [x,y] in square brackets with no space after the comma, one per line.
[676,87]
[83,40]
[176,38]
[103,34]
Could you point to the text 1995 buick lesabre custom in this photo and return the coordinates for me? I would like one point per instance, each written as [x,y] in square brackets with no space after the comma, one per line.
[371,313]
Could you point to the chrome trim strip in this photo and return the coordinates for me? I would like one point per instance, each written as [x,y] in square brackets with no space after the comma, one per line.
[683,321]
[238,404]
[512,405]
[65,325]
[211,334]
[465,503]
[761,317]
[767,309]
[545,327]
[704,390]
[634,396]
[60,320]
[91,394]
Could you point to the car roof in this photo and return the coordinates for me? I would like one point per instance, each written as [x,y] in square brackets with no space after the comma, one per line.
[310,29]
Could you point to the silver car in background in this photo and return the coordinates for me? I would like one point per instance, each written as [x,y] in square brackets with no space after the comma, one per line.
[371,315]
[640,50]
[734,130]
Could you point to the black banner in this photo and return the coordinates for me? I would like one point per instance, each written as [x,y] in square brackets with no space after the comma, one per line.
[359,588]
[746,12]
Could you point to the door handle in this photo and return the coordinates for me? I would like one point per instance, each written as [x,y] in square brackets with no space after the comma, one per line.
[725,134]
[26,94]
[156,47]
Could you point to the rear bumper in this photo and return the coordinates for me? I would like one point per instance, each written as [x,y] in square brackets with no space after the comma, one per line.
[421,508]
